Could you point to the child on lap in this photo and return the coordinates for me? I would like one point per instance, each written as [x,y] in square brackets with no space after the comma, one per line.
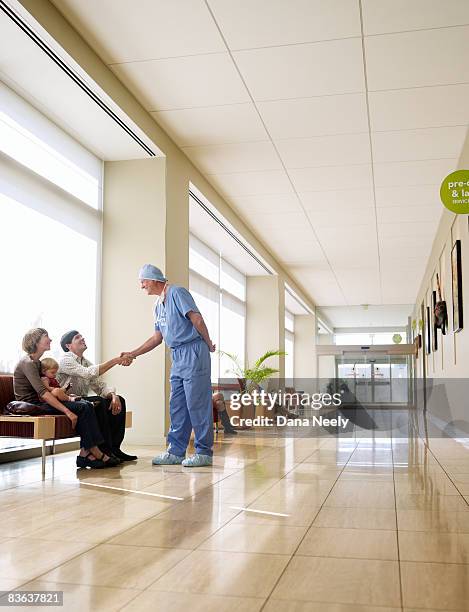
[49,368]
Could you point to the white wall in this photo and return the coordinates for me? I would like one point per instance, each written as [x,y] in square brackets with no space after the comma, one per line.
[451,360]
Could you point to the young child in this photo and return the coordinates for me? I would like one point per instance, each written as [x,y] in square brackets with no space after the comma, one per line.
[49,368]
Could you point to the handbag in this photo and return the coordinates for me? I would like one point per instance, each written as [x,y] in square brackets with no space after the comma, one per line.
[17,408]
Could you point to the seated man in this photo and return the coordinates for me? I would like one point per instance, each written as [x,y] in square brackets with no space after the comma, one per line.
[76,371]
[219,409]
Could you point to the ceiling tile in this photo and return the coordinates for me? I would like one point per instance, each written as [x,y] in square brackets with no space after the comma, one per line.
[282,222]
[417,59]
[304,253]
[413,173]
[267,204]
[409,214]
[349,244]
[300,71]
[303,250]
[325,150]
[418,228]
[421,195]
[278,237]
[396,262]
[273,182]
[127,31]
[322,285]
[394,272]
[419,108]
[183,82]
[395,293]
[381,16]
[332,177]
[360,286]
[263,23]
[319,116]
[405,246]
[430,143]
[339,201]
[356,252]
[342,218]
[212,125]
[239,157]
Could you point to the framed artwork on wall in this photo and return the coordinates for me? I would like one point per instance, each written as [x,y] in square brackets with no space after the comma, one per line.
[456,278]
[428,322]
[434,327]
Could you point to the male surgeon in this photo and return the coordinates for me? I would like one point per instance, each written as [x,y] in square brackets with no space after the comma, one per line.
[179,323]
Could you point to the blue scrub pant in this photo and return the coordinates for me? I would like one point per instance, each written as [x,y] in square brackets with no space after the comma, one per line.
[190,403]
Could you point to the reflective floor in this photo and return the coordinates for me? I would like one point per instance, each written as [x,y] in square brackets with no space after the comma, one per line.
[295,525]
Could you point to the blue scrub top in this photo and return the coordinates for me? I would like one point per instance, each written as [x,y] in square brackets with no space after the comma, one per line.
[171,317]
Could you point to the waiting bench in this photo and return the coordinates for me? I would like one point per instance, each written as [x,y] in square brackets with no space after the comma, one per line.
[47,427]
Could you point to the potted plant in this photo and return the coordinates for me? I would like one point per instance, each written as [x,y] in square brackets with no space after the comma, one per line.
[251,377]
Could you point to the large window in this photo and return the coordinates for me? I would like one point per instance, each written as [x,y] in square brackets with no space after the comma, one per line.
[219,290]
[50,231]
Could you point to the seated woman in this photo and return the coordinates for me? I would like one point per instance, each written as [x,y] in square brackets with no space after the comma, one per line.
[28,387]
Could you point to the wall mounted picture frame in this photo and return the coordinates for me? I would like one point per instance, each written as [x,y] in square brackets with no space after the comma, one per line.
[456,284]
[428,343]
[434,327]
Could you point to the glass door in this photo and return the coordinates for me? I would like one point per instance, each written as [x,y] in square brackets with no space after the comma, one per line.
[374,379]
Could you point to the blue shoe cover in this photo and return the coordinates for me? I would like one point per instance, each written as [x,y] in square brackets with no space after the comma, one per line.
[167,459]
[197,461]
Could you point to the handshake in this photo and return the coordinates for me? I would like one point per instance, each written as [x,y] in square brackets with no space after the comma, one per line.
[125,358]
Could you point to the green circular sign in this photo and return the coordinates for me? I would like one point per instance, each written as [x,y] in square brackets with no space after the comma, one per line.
[454,192]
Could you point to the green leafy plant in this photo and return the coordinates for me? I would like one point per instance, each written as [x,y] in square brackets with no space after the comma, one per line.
[254,375]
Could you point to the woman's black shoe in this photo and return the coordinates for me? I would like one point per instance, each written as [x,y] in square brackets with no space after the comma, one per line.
[95,464]
[111,462]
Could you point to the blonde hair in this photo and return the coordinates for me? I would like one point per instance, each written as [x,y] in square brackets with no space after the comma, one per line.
[48,364]
[31,339]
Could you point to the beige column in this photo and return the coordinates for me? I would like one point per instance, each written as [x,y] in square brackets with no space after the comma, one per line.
[305,347]
[265,319]
[177,242]
[134,233]
[326,363]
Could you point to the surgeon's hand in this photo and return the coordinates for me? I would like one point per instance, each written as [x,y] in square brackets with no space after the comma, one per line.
[126,358]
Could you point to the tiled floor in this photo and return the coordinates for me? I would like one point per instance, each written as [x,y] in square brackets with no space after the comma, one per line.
[279,525]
